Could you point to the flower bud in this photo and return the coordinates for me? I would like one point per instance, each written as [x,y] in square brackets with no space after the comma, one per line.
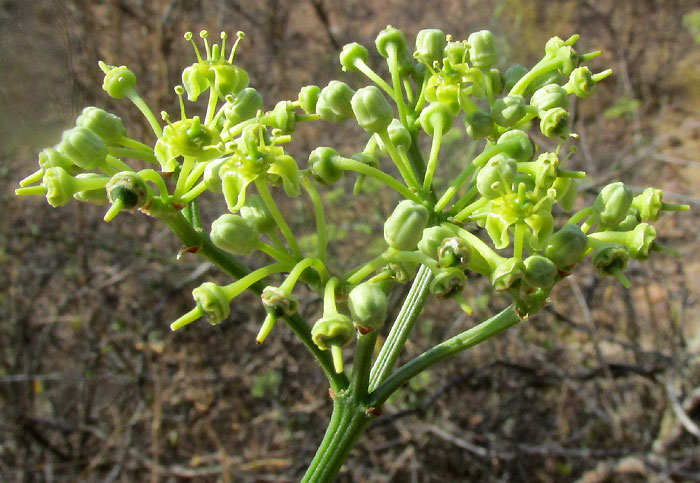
[566,246]
[432,239]
[436,116]
[631,220]
[610,258]
[371,109]
[61,186]
[454,252]
[568,60]
[50,158]
[335,330]
[308,97]
[496,178]
[555,123]
[212,174]
[404,227]
[399,135]
[129,189]
[448,283]
[83,147]
[479,124]
[456,53]
[279,302]
[650,204]
[581,82]
[334,102]
[107,126]
[234,234]
[553,45]
[351,54]
[255,212]
[540,271]
[612,204]
[513,75]
[322,166]
[389,38]
[283,117]
[229,79]
[430,45]
[243,106]
[507,111]
[520,147]
[482,51]
[119,82]
[549,97]
[507,273]
[368,306]
[213,301]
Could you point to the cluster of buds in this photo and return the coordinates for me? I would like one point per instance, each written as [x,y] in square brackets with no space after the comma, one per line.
[509,189]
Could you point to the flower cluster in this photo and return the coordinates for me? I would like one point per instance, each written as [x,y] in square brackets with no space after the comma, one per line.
[509,189]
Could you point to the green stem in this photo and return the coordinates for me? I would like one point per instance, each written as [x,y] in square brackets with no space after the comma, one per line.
[495,325]
[348,421]
[393,62]
[374,77]
[134,144]
[230,265]
[264,191]
[395,341]
[363,364]
[320,215]
[146,111]
[409,177]
[211,107]
[353,165]
[539,69]
[133,154]
[432,159]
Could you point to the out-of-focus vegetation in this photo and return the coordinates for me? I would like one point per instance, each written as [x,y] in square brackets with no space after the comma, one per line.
[602,386]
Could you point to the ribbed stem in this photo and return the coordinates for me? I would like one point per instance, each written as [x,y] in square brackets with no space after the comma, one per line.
[348,421]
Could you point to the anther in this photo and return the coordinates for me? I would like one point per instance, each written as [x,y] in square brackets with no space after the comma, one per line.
[189,38]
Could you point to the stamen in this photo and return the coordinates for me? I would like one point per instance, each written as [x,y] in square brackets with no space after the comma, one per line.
[240,36]
[223,37]
[188,37]
[204,34]
[179,90]
[166,117]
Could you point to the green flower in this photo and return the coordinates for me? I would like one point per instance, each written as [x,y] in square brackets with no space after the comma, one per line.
[368,306]
[187,137]
[234,234]
[215,71]
[404,227]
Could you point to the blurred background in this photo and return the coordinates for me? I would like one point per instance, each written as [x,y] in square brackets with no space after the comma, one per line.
[604,385]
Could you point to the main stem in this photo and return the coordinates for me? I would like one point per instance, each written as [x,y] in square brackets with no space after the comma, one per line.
[348,421]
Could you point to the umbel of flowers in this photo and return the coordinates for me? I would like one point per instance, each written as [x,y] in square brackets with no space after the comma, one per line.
[236,149]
